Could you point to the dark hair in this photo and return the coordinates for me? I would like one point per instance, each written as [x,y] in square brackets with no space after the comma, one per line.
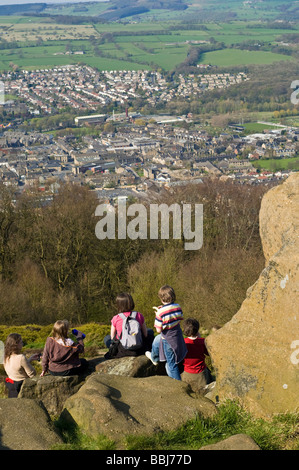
[191,327]
[13,345]
[167,294]
[124,303]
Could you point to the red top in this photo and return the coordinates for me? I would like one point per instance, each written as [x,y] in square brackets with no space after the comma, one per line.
[194,361]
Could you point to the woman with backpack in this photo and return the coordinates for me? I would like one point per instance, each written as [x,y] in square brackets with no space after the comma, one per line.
[129,335]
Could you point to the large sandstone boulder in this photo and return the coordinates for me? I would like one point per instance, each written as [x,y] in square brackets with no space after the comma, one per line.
[51,391]
[116,405]
[256,354]
[139,366]
[25,425]
[54,391]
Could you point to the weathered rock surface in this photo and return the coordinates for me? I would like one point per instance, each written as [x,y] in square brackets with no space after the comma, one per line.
[236,442]
[52,391]
[25,425]
[256,354]
[279,218]
[117,405]
[139,366]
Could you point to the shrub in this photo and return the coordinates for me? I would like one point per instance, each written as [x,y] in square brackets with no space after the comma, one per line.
[34,336]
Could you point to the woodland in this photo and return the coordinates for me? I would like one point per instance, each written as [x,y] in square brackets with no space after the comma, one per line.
[53,266]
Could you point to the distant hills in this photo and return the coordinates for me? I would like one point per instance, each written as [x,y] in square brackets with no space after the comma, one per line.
[116,9]
[7,10]
[192,10]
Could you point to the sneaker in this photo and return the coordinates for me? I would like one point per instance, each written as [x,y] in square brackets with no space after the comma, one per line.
[149,356]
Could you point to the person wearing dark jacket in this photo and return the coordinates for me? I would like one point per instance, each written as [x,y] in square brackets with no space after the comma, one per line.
[61,353]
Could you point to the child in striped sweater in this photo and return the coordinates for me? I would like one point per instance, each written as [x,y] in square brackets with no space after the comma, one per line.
[169,345]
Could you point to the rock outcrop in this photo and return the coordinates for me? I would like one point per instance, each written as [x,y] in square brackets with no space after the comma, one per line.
[139,366]
[54,391]
[256,354]
[51,391]
[117,405]
[236,442]
[25,425]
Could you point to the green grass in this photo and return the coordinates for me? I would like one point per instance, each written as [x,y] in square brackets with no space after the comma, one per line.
[277,164]
[231,57]
[257,127]
[75,439]
[279,433]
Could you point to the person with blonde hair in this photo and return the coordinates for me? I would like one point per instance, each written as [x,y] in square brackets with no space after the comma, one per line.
[61,353]
[16,365]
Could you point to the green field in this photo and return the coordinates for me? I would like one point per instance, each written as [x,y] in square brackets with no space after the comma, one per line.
[249,11]
[231,57]
[277,164]
[257,127]
[160,38]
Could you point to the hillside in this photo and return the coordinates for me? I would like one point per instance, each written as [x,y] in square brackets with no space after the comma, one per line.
[52,261]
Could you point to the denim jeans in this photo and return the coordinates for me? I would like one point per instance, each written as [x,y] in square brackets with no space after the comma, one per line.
[107,341]
[172,368]
[155,348]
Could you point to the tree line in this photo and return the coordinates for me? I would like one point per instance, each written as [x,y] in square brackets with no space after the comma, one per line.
[52,265]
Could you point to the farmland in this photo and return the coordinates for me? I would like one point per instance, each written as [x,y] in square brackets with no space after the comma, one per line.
[202,40]
[158,38]
[231,57]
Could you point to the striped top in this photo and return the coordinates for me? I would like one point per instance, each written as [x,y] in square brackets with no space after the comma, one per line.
[168,316]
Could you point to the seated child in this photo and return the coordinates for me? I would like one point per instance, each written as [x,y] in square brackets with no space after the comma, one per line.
[168,346]
[16,365]
[196,373]
[61,353]
[125,308]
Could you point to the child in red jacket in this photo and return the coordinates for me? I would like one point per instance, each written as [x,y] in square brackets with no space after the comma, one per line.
[196,372]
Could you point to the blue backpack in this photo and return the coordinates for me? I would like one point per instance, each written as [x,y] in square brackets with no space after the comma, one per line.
[131,335]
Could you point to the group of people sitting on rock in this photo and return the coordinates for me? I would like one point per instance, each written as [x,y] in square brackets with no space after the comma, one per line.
[184,357]
[59,357]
